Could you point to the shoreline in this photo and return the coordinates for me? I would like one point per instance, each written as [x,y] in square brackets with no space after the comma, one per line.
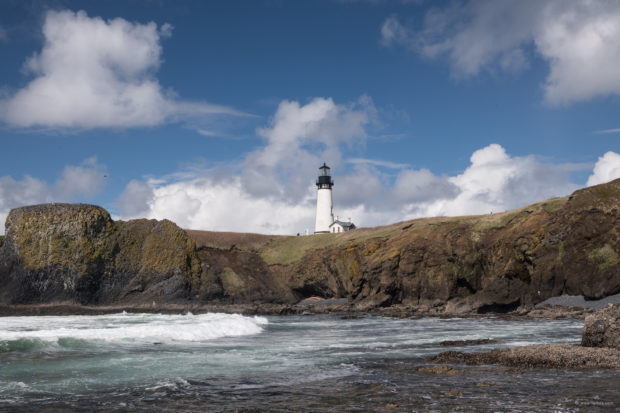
[575,307]
[325,307]
[554,356]
[548,356]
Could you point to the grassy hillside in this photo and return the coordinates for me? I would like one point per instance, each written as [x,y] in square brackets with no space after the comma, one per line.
[284,250]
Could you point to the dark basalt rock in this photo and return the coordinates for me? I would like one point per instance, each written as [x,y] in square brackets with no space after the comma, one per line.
[76,253]
[602,329]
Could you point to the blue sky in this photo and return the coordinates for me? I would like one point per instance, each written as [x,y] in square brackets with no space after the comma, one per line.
[217,114]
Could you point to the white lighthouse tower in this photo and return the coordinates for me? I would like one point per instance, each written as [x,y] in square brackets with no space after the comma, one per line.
[324,206]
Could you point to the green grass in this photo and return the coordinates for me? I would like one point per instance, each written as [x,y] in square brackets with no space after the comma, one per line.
[554,204]
[286,250]
[231,281]
[604,257]
[604,191]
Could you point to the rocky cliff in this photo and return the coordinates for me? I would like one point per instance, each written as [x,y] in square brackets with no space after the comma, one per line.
[76,253]
[495,262]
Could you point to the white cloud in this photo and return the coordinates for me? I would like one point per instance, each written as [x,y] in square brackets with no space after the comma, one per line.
[135,199]
[205,203]
[376,162]
[75,183]
[206,132]
[493,182]
[93,73]
[419,186]
[3,34]
[392,31]
[496,182]
[580,41]
[606,169]
[298,140]
[607,131]
[273,191]
[363,186]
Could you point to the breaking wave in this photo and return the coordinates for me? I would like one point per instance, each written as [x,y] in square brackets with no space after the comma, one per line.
[22,334]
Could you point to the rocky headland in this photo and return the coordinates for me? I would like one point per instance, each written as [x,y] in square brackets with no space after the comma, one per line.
[74,259]
[75,255]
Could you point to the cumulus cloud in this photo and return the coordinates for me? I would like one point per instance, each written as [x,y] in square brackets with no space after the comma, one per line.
[93,73]
[580,41]
[493,182]
[298,139]
[272,190]
[606,169]
[76,182]
[496,181]
[418,186]
[135,199]
[210,204]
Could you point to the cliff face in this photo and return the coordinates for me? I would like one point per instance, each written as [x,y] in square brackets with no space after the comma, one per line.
[494,262]
[76,253]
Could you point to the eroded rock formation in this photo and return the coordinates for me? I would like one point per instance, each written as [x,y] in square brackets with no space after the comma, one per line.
[495,262]
[76,253]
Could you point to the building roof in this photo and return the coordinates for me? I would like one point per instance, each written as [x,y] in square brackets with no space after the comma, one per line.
[344,224]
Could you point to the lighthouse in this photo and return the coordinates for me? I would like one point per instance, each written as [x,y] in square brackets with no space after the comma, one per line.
[324,206]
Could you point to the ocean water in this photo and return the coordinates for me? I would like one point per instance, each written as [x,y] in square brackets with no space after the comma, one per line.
[223,362]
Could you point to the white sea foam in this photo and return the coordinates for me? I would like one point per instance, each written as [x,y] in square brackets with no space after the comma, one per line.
[17,385]
[172,384]
[131,327]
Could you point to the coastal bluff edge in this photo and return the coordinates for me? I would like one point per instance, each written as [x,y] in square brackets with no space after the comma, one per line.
[76,256]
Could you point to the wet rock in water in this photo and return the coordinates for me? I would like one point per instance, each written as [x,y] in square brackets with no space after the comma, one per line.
[558,312]
[548,356]
[460,343]
[602,329]
[440,370]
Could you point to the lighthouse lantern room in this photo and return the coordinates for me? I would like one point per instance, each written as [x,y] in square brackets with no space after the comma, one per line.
[324,206]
